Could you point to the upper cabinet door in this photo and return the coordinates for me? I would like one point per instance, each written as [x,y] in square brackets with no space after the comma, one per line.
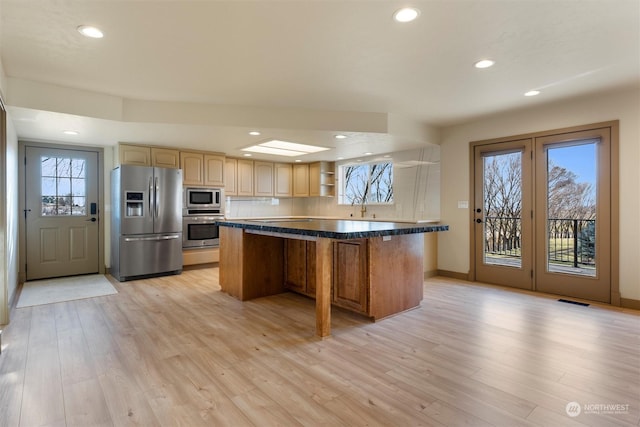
[192,165]
[214,170]
[230,177]
[301,180]
[283,180]
[245,177]
[134,155]
[314,179]
[165,158]
[263,174]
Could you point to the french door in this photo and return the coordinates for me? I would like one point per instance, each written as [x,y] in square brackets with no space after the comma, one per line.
[503,225]
[542,213]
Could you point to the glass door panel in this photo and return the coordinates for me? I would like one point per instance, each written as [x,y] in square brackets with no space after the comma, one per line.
[502,213]
[573,215]
[502,178]
[571,208]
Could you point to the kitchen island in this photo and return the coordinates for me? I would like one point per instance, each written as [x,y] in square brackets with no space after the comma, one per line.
[372,267]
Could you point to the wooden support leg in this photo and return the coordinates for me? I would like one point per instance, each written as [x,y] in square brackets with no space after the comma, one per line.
[324,261]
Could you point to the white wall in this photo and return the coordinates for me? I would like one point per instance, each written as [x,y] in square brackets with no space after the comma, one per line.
[623,105]
[11,206]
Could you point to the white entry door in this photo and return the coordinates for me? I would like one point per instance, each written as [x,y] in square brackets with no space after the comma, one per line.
[61,212]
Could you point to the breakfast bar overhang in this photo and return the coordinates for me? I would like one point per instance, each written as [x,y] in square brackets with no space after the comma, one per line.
[252,260]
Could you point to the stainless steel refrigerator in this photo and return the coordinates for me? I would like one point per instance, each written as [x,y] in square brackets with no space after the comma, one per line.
[146,228]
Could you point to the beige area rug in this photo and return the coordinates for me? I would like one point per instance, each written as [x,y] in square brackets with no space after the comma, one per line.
[49,291]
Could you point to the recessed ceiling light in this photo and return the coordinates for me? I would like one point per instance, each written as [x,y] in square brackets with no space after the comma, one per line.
[70,132]
[368,153]
[254,133]
[247,154]
[340,158]
[532,93]
[406,14]
[484,63]
[89,31]
[340,136]
[284,148]
[298,160]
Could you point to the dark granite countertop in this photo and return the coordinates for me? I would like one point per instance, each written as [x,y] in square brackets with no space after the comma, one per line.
[333,228]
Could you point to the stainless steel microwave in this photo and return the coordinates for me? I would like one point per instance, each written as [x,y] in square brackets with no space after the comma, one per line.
[202,198]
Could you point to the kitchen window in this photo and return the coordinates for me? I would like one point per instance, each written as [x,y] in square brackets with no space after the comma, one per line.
[370,183]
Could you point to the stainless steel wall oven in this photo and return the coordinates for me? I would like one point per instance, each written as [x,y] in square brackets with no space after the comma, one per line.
[201,209]
[199,231]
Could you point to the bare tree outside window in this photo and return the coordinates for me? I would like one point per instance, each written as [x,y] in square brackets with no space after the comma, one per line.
[571,214]
[368,183]
[63,186]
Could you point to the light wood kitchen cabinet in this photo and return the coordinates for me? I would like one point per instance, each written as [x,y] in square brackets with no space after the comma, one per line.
[230,177]
[214,170]
[244,178]
[283,180]
[350,275]
[136,155]
[301,180]
[202,169]
[263,176]
[322,179]
[192,168]
[165,158]
[141,155]
[200,256]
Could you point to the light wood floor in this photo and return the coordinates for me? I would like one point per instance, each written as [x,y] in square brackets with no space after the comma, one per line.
[176,351]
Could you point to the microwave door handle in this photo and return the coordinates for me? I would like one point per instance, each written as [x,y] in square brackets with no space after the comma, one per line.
[157,197]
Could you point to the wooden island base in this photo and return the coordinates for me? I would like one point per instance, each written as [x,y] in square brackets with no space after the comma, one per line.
[375,276]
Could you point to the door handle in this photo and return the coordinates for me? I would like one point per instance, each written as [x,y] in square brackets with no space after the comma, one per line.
[156,195]
[92,219]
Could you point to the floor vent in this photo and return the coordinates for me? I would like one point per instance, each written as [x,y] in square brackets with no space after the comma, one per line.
[584,304]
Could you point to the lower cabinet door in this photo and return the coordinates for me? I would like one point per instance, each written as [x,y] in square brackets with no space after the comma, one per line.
[350,276]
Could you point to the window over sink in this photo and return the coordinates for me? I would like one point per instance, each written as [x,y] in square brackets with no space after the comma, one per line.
[370,183]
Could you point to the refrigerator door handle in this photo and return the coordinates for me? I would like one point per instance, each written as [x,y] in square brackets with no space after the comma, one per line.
[154,238]
[151,197]
[157,196]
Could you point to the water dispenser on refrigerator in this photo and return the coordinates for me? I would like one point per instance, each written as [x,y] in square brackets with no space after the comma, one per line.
[134,204]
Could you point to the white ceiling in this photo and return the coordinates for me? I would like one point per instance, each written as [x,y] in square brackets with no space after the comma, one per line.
[305,70]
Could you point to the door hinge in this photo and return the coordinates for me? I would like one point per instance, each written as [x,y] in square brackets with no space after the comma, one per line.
[532,273]
[531,214]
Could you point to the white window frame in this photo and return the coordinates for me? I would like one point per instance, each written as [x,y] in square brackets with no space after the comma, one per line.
[342,191]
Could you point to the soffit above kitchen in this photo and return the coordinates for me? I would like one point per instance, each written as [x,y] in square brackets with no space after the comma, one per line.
[204,73]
